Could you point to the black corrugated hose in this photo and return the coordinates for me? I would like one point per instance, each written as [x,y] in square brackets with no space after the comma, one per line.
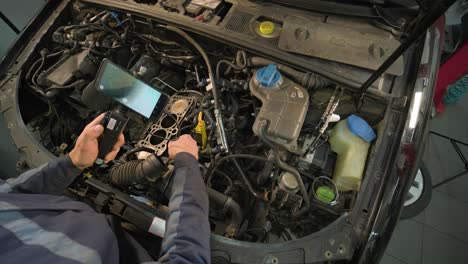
[306,79]
[138,171]
[230,206]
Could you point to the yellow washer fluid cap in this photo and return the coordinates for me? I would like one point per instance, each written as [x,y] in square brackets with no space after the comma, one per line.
[267,27]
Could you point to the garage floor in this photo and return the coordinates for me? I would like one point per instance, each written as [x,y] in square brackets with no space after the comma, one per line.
[438,235]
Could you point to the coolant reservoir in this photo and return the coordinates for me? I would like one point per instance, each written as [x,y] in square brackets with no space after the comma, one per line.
[350,139]
[284,106]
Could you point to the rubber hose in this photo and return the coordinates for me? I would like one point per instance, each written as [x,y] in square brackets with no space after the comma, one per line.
[233,156]
[231,206]
[234,105]
[246,181]
[241,59]
[124,175]
[286,167]
[244,178]
[308,80]
[210,119]
[212,77]
[138,171]
[312,80]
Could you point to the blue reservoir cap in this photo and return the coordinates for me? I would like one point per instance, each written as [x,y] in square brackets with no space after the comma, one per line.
[268,76]
[360,128]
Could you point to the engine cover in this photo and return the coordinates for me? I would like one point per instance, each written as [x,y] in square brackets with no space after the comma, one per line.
[284,106]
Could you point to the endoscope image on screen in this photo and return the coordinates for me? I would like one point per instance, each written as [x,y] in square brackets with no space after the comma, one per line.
[127,89]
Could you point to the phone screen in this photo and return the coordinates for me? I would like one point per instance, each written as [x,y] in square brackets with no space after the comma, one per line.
[127,89]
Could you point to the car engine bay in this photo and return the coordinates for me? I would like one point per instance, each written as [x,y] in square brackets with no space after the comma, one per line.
[265,153]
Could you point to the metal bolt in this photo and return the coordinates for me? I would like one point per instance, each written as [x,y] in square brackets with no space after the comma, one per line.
[19,165]
[301,34]
[63,146]
[341,249]
[376,51]
[271,260]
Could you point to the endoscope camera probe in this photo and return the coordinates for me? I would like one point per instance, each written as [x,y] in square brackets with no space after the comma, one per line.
[132,94]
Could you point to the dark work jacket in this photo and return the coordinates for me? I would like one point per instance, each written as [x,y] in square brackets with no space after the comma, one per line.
[38,226]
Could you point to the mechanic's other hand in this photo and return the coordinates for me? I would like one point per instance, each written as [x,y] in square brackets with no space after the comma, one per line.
[86,148]
[184,143]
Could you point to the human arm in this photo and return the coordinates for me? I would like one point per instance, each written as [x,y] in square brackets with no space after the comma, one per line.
[187,237]
[54,176]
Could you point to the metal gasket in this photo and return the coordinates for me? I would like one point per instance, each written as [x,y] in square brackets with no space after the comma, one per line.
[158,134]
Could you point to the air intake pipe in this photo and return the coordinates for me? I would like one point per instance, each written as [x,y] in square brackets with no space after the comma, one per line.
[138,171]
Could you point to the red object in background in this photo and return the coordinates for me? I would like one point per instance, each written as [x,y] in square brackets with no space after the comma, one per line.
[450,72]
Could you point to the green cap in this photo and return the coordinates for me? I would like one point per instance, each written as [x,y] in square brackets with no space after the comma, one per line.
[325,194]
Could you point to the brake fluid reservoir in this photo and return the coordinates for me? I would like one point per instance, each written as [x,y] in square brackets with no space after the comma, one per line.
[350,139]
[284,106]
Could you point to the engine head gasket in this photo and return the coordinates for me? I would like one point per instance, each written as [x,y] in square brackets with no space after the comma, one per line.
[158,134]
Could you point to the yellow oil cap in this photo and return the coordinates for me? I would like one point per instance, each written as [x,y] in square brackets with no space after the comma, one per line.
[267,27]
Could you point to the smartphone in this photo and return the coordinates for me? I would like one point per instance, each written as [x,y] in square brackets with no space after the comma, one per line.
[128,90]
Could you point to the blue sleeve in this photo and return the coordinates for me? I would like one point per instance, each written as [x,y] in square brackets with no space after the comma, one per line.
[187,237]
[51,178]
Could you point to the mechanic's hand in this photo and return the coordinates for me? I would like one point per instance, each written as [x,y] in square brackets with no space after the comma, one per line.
[86,148]
[184,143]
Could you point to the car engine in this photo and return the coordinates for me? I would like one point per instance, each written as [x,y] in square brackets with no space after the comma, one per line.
[262,126]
